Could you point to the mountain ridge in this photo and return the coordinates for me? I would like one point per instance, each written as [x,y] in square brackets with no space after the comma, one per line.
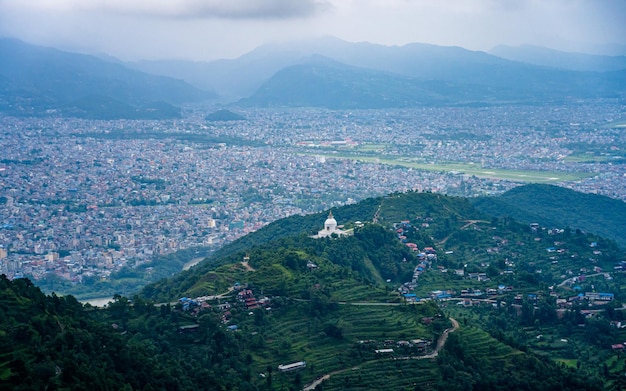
[43,81]
[360,310]
[322,82]
[560,207]
[438,214]
[243,76]
[558,59]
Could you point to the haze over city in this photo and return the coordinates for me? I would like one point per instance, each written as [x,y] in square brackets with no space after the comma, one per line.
[281,195]
[209,30]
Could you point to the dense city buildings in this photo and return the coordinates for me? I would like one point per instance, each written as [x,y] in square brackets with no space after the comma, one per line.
[82,198]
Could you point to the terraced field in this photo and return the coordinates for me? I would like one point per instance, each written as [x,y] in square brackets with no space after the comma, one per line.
[387,375]
[481,344]
[308,340]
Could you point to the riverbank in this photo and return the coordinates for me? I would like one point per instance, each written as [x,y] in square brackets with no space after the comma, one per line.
[98,301]
[192,263]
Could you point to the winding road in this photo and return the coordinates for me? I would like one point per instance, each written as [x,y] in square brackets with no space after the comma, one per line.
[440,344]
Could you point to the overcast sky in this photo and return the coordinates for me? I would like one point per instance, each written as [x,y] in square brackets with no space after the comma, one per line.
[211,29]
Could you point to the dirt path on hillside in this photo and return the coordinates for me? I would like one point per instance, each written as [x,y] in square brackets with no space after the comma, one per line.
[444,336]
[377,213]
[247,266]
[319,380]
[193,262]
[441,342]
[469,223]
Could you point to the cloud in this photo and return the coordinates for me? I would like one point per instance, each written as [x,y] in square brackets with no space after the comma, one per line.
[210,29]
[179,9]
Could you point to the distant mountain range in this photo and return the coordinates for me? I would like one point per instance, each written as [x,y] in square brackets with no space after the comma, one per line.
[561,60]
[333,73]
[326,83]
[324,72]
[37,81]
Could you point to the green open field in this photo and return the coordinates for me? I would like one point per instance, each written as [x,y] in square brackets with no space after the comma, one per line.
[616,124]
[371,147]
[472,169]
[589,158]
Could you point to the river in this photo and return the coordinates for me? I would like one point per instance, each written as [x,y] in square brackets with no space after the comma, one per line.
[193,262]
[98,301]
[102,301]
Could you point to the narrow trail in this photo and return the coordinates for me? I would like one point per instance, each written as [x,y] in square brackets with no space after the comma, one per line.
[377,213]
[319,380]
[469,223]
[441,342]
[572,279]
[201,298]
[444,337]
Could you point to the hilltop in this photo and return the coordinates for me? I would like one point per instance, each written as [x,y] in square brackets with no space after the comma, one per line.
[461,236]
[560,207]
[423,291]
[224,115]
[503,277]
[41,81]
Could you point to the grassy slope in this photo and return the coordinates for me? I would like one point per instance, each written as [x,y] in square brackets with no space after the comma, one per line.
[560,208]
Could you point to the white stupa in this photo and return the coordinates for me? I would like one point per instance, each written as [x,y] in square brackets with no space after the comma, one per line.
[330,227]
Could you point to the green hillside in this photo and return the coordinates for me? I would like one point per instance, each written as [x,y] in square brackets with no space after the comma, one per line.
[555,206]
[224,115]
[54,343]
[481,303]
[40,81]
[471,254]
[462,238]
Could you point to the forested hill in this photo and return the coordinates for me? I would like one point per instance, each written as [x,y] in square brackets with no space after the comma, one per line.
[387,210]
[337,308]
[460,236]
[398,299]
[296,230]
[559,207]
[54,343]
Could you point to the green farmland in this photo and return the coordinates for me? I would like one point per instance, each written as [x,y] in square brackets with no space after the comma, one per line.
[471,169]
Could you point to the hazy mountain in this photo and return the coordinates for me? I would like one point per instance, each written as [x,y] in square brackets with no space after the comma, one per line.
[321,82]
[36,80]
[224,115]
[198,74]
[557,59]
[325,72]
[491,77]
[241,77]
[230,78]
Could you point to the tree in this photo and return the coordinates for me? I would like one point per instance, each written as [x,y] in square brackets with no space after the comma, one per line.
[333,331]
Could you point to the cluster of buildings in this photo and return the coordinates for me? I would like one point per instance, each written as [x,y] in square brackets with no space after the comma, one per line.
[246,297]
[425,258]
[82,199]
